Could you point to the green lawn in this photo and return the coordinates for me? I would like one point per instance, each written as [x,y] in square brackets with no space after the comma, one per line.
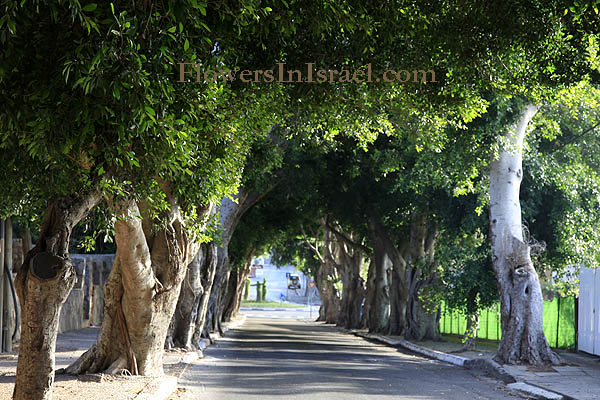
[270,304]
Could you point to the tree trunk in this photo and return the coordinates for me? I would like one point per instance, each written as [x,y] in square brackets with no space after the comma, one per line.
[322,288]
[215,303]
[43,284]
[379,310]
[369,295]
[523,339]
[207,279]
[348,262]
[397,278]
[331,278]
[326,275]
[356,296]
[230,213]
[332,294]
[471,331]
[236,288]
[398,302]
[141,292]
[190,313]
[422,321]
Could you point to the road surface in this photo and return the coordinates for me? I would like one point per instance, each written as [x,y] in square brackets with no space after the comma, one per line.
[283,355]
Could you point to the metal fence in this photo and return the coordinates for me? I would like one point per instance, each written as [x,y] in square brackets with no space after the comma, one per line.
[559,322]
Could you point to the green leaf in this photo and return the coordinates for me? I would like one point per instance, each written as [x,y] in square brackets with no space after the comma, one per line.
[172,29]
[149,111]
[90,7]
[186,45]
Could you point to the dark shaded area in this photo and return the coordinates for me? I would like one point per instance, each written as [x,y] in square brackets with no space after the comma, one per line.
[296,359]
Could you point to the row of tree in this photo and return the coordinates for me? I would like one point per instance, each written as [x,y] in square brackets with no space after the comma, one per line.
[94,125]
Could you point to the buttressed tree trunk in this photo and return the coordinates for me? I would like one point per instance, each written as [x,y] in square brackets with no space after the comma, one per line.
[190,314]
[348,261]
[523,339]
[43,284]
[422,323]
[326,275]
[379,289]
[396,274]
[207,279]
[322,289]
[369,295]
[235,289]
[331,293]
[330,278]
[141,292]
[230,213]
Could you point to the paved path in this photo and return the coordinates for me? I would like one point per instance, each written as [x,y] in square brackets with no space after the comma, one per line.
[292,359]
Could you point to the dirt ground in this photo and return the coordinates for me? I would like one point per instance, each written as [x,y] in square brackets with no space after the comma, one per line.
[85,387]
[69,347]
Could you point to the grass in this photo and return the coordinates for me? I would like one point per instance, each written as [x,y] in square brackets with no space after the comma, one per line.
[482,344]
[269,304]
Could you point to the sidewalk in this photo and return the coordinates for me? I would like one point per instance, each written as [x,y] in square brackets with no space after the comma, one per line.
[578,377]
[70,345]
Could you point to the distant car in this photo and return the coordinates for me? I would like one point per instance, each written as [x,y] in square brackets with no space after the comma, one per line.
[294,282]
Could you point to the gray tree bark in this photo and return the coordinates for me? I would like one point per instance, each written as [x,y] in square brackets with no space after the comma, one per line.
[141,292]
[400,274]
[523,339]
[188,320]
[471,331]
[230,213]
[326,275]
[348,261]
[370,289]
[379,307]
[43,284]
[207,280]
[422,322]
[235,289]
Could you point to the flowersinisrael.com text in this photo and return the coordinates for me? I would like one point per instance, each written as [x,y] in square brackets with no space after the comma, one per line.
[190,72]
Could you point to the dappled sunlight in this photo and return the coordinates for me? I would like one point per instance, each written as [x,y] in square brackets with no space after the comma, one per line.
[290,359]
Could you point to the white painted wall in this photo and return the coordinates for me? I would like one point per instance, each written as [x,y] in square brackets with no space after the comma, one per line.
[588,323]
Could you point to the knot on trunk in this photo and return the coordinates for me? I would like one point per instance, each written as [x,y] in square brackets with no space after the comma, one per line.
[521,272]
[520,276]
[46,266]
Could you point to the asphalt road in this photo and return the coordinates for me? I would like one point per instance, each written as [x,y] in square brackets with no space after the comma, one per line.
[292,358]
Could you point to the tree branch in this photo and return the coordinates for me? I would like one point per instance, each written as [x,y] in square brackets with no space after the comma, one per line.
[312,247]
[345,238]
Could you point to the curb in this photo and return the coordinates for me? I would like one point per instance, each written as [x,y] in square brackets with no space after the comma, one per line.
[483,364]
[438,355]
[534,391]
[234,324]
[268,309]
[164,386]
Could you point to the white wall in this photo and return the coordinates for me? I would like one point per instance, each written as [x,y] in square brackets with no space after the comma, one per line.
[588,323]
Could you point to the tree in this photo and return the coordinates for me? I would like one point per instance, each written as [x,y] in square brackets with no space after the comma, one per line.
[520,290]
[128,134]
